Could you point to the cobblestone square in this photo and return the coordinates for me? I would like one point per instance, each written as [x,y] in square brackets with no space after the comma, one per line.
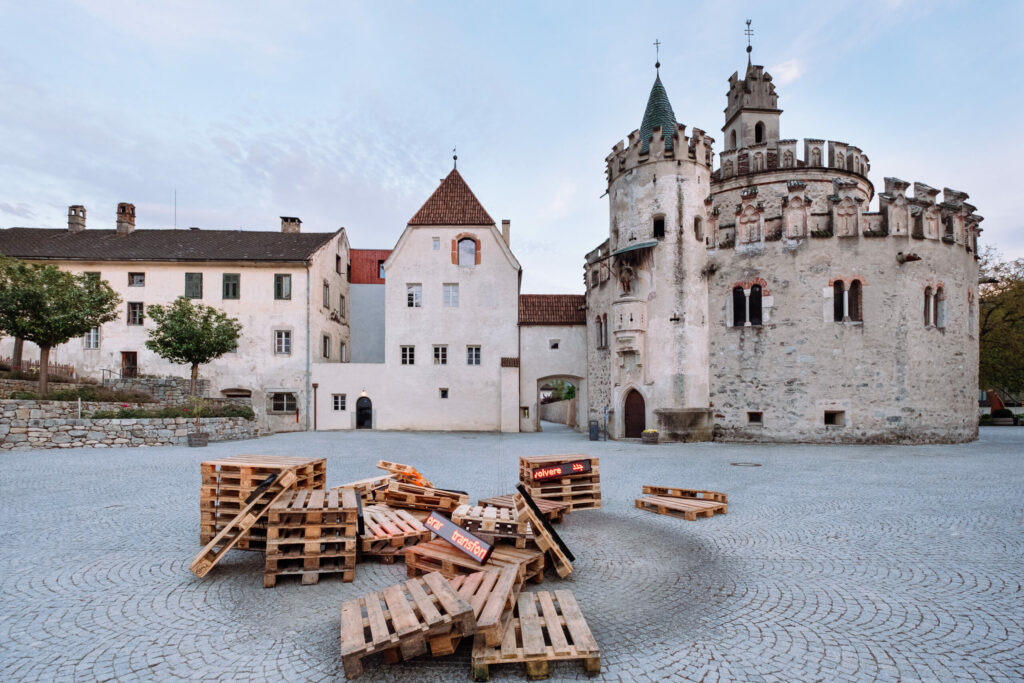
[845,563]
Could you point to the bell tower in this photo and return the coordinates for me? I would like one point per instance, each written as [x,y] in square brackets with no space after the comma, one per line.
[752,112]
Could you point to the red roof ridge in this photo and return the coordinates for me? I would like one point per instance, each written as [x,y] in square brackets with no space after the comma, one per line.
[452,203]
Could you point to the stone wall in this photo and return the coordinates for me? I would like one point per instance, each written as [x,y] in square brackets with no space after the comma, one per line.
[9,386]
[561,412]
[54,424]
[172,391]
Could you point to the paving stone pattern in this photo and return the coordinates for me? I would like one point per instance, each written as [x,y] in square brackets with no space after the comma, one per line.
[848,563]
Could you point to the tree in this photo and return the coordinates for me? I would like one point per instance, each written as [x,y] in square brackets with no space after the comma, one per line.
[191,334]
[48,306]
[1001,324]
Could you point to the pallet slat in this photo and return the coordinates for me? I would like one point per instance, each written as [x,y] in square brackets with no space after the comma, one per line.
[688,509]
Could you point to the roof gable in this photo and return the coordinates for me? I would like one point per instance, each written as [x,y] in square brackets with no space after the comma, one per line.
[452,203]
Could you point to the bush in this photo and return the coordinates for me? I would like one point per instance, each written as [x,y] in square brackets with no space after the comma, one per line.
[1002,412]
[24,395]
[104,415]
[174,412]
[103,394]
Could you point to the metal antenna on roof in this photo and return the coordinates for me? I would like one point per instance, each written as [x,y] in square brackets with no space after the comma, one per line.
[657,54]
[455,157]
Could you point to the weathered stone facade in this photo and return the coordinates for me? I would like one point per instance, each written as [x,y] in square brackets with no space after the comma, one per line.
[774,304]
[54,424]
[170,391]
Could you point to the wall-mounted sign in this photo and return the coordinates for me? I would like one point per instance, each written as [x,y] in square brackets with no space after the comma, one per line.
[563,470]
[459,537]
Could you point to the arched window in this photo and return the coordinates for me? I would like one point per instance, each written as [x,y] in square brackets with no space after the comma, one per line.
[755,305]
[940,308]
[837,301]
[467,251]
[759,132]
[698,228]
[732,139]
[927,306]
[739,307]
[854,304]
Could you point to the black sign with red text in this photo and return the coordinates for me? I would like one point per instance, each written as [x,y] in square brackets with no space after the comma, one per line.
[459,537]
[562,470]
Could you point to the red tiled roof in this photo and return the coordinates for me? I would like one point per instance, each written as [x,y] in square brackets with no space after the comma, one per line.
[452,203]
[365,270]
[552,309]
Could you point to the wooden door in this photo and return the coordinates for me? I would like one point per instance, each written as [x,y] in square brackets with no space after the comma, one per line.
[129,364]
[634,415]
[364,413]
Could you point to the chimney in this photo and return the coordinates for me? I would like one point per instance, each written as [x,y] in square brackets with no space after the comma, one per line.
[506,232]
[290,224]
[76,218]
[125,218]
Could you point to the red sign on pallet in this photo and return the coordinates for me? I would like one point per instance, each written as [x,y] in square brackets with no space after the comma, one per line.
[563,470]
[459,537]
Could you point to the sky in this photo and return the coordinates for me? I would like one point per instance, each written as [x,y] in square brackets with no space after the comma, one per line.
[345,114]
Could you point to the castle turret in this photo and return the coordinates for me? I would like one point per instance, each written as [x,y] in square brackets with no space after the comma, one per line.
[656,300]
[752,112]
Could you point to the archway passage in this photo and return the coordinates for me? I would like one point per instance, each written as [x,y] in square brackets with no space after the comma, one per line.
[364,413]
[634,415]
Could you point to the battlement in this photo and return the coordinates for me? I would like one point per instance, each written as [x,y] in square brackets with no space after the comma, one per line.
[782,154]
[627,155]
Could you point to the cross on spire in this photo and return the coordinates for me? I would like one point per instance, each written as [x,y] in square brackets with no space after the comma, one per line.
[749,32]
[657,53]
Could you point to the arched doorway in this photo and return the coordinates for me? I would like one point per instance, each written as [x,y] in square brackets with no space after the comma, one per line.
[364,413]
[560,399]
[635,421]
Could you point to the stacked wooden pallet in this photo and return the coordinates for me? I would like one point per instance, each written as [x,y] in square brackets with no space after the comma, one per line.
[493,523]
[387,532]
[402,620]
[547,627]
[310,533]
[441,556]
[226,483]
[371,489]
[493,595]
[686,503]
[545,537]
[582,491]
[551,509]
[403,495]
[404,473]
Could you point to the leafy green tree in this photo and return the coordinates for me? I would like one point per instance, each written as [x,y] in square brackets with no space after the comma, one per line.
[1001,324]
[191,334]
[48,306]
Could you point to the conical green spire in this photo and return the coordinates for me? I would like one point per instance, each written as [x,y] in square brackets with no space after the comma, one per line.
[659,113]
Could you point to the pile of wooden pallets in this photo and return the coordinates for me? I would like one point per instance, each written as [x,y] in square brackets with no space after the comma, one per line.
[228,482]
[582,491]
[552,510]
[491,523]
[441,556]
[387,532]
[399,494]
[686,503]
[311,533]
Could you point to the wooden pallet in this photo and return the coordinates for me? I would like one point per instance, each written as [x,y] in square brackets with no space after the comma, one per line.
[386,531]
[687,508]
[412,496]
[541,618]
[578,491]
[493,596]
[698,494]
[545,537]
[401,620]
[441,556]
[405,473]
[227,482]
[493,523]
[275,486]
[310,533]
[553,510]
[575,501]
[529,462]
[368,489]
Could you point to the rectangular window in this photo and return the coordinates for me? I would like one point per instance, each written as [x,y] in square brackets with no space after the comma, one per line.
[755,417]
[326,346]
[337,264]
[380,269]
[472,355]
[339,401]
[283,403]
[327,295]
[451,295]
[659,226]
[136,279]
[444,393]
[414,296]
[282,286]
[437,243]
[553,344]
[91,340]
[341,306]
[441,355]
[343,353]
[408,355]
[135,313]
[232,285]
[194,285]
[282,342]
[835,418]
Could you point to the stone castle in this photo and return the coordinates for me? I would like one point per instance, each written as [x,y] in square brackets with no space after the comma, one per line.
[760,300]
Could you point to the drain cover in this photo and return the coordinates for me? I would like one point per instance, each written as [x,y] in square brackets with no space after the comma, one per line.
[745,464]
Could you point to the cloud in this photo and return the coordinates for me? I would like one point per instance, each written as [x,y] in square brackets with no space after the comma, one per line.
[787,72]
[21,210]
